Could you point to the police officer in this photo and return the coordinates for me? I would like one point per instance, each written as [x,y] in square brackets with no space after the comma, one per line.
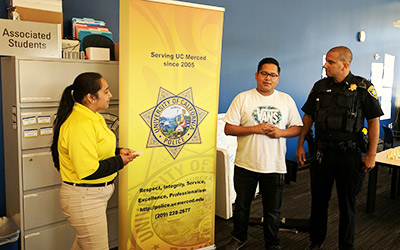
[338,105]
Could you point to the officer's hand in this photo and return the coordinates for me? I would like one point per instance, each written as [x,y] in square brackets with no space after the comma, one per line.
[301,155]
[368,162]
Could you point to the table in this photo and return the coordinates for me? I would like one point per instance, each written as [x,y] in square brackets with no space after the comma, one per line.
[382,161]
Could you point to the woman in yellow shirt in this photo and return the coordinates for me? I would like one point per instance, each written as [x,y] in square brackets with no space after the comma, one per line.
[84,151]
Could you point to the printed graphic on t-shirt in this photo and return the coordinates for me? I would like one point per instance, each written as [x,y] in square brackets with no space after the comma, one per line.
[268,114]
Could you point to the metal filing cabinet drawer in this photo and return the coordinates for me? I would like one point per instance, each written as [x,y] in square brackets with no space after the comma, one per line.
[50,79]
[38,169]
[62,236]
[42,208]
[58,237]
[37,127]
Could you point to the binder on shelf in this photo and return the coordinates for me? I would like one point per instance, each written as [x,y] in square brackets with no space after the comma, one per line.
[86,22]
[82,27]
[88,27]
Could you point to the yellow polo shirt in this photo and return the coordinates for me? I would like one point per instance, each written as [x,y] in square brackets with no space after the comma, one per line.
[84,140]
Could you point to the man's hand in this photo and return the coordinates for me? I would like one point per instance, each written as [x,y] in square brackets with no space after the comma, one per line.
[300,152]
[369,162]
[272,131]
[263,128]
[301,155]
[373,137]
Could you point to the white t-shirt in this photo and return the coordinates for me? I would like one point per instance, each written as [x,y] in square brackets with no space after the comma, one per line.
[257,152]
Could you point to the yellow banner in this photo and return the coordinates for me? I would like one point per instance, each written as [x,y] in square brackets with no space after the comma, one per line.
[170,55]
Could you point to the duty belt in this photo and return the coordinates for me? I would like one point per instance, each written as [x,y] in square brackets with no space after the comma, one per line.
[338,146]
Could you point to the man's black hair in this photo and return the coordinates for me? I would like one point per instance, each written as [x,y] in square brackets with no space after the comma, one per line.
[268,60]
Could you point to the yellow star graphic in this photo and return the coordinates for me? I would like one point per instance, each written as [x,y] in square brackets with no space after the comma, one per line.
[174,121]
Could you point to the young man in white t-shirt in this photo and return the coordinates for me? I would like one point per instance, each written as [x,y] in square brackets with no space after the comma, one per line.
[262,119]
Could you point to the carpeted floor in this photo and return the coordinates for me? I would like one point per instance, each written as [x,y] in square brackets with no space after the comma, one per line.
[379,230]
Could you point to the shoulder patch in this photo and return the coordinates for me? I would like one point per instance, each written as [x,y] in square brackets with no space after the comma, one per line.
[362,84]
[372,91]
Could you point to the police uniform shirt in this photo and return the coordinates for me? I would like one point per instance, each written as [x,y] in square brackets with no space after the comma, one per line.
[84,140]
[366,97]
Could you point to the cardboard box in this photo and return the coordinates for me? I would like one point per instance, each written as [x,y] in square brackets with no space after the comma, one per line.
[50,5]
[35,15]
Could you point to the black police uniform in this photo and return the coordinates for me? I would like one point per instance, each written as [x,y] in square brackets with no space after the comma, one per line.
[338,111]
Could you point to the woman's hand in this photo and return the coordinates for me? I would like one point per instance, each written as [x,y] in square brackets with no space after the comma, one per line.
[128,155]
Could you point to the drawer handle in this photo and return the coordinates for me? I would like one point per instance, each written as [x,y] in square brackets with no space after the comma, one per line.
[30,195]
[31,235]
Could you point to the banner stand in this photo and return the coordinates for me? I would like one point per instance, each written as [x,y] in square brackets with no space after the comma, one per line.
[170,57]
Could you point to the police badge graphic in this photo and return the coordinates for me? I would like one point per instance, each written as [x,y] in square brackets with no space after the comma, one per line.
[174,121]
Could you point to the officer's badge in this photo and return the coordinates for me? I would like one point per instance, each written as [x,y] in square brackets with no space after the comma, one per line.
[372,92]
[353,87]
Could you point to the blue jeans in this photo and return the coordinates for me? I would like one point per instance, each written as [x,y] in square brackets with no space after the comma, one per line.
[271,189]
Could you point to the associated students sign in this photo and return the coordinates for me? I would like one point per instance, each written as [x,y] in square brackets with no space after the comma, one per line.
[29,39]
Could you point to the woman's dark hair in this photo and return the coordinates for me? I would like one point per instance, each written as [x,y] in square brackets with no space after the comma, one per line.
[85,83]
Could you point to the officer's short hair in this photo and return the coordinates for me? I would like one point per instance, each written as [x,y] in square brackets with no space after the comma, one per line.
[268,60]
[345,54]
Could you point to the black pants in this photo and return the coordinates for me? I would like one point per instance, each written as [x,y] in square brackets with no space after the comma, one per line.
[271,189]
[346,170]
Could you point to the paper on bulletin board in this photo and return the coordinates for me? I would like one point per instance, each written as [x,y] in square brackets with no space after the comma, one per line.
[386,102]
[377,76]
[382,75]
[386,94]
[386,108]
[387,84]
[323,73]
[388,71]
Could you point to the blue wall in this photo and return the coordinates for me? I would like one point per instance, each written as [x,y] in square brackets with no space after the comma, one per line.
[105,10]
[297,33]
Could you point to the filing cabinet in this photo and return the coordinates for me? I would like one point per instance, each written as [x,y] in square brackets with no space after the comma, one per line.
[31,90]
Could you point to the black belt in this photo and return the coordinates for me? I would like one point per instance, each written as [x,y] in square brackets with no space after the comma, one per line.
[89,185]
[345,145]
